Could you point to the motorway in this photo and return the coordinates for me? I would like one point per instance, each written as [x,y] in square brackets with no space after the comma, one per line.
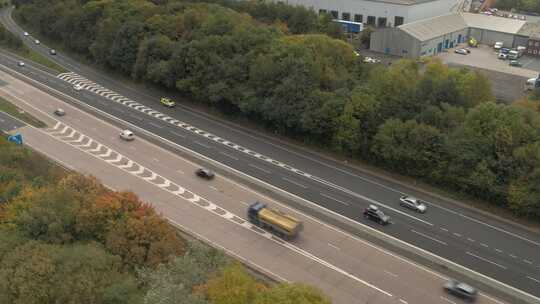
[348,269]
[495,248]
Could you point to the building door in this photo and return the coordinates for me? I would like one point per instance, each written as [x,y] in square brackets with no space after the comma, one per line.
[446,44]
[459,38]
[439,47]
[451,44]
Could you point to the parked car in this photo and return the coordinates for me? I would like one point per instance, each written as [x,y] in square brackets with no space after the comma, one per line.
[498,45]
[204,173]
[167,102]
[530,84]
[461,290]
[502,56]
[371,60]
[505,50]
[21,64]
[462,51]
[127,135]
[59,112]
[78,87]
[37,41]
[373,213]
[515,63]
[413,203]
[26,34]
[52,52]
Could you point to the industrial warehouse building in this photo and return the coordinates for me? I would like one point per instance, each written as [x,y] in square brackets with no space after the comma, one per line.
[434,35]
[380,13]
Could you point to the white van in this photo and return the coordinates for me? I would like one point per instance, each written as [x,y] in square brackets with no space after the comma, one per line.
[529,85]
[513,55]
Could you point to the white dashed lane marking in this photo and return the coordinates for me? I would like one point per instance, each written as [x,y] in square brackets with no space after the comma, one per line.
[429,237]
[334,199]
[486,260]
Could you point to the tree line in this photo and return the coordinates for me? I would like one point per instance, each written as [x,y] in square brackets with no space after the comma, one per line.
[519,5]
[277,66]
[65,238]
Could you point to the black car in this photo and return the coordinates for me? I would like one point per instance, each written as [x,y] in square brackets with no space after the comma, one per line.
[372,212]
[204,173]
[461,290]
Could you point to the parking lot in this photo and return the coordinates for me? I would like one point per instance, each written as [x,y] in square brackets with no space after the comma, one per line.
[485,57]
[507,81]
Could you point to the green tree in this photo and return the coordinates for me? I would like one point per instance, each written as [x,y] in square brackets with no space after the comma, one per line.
[408,146]
[123,52]
[43,273]
[292,294]
[175,281]
[233,286]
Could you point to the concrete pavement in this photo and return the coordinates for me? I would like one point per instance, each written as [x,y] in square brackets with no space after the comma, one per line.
[346,268]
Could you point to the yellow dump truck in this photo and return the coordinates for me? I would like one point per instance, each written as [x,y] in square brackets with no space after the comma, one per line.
[275,221]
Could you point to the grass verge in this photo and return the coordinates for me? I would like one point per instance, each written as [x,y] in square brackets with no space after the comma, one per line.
[11,109]
[38,58]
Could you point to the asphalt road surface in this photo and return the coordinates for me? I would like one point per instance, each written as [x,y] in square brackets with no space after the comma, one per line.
[495,248]
[346,268]
[8,123]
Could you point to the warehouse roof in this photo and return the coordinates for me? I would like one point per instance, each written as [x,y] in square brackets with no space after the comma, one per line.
[430,28]
[493,23]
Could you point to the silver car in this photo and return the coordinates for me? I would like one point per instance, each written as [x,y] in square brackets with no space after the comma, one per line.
[461,290]
[127,135]
[412,203]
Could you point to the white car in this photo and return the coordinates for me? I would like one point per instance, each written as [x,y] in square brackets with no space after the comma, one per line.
[502,56]
[530,84]
[127,135]
[37,41]
[371,60]
[78,87]
[412,203]
[21,64]
[498,45]
[26,34]
[462,51]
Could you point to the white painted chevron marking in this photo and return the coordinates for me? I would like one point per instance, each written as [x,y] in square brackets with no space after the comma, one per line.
[127,165]
[151,177]
[117,159]
[88,144]
[60,132]
[140,171]
[195,198]
[70,134]
[96,149]
[165,184]
[106,154]
[78,140]
[180,191]
[57,125]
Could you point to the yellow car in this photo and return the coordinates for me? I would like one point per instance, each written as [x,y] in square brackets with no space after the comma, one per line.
[167,102]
